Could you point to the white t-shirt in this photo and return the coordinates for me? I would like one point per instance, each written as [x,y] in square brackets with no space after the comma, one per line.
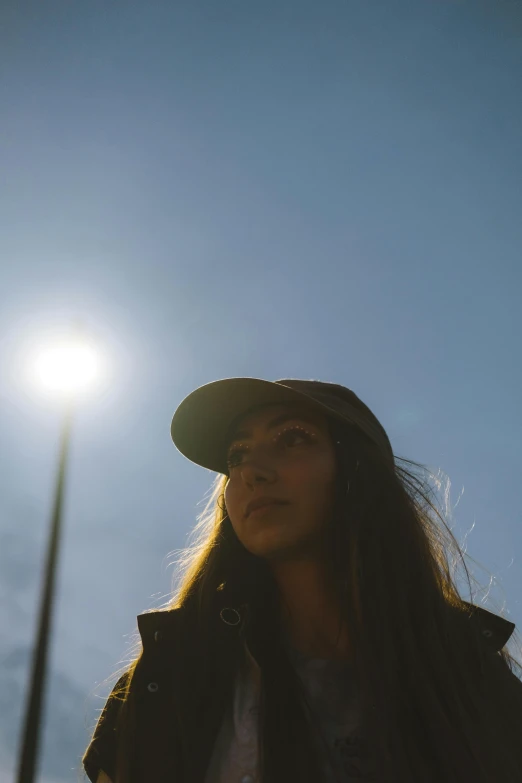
[332,693]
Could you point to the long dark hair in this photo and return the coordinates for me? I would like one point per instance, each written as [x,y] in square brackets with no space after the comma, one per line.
[435,706]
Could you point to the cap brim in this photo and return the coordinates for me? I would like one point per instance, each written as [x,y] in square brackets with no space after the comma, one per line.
[201,423]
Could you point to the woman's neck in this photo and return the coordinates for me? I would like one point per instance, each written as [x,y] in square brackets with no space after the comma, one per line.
[310,614]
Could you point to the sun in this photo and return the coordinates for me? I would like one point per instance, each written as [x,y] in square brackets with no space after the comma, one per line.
[68,366]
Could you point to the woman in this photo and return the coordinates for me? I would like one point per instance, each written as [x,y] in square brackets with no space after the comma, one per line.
[317,634]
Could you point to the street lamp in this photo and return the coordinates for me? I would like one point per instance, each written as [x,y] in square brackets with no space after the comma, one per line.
[68,367]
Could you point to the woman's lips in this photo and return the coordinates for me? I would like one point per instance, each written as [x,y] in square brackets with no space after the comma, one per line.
[263,509]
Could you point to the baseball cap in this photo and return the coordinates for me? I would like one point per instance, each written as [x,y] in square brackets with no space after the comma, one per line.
[201,423]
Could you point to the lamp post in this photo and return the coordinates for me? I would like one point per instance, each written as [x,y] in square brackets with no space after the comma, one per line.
[66,367]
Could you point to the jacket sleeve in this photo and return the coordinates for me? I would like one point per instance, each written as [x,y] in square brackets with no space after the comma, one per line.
[101,751]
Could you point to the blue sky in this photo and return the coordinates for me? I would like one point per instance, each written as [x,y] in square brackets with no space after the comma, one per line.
[316,190]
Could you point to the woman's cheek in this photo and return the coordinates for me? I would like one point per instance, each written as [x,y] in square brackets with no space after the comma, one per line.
[230,502]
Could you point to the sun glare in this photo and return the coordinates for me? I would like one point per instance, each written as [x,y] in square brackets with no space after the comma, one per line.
[67,367]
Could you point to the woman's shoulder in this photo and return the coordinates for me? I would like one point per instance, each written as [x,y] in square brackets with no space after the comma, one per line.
[100,754]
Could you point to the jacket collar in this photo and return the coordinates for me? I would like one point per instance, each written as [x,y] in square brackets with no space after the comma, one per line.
[155,624]
[494,629]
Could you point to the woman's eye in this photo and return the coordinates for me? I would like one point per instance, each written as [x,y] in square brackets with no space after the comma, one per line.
[287,437]
[232,457]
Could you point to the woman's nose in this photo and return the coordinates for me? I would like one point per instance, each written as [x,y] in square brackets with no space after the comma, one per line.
[257,469]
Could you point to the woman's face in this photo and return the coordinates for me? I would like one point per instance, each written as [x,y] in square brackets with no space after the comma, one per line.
[284,452]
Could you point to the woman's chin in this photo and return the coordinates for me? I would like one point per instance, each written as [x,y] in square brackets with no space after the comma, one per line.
[273,547]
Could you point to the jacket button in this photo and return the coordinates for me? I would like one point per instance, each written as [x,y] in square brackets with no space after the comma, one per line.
[486,632]
[157,636]
[153,687]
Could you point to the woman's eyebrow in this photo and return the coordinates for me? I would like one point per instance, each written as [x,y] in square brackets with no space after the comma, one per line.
[309,418]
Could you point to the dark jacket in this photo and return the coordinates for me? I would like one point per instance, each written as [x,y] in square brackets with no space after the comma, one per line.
[175,677]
